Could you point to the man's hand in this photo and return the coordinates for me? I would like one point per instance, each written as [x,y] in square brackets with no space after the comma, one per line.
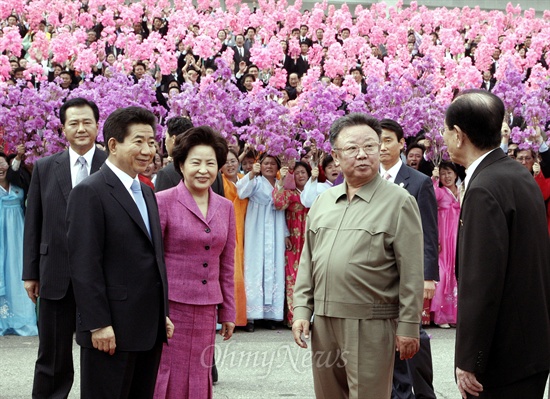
[33,289]
[169,328]
[227,330]
[429,289]
[406,346]
[299,327]
[467,383]
[536,169]
[104,340]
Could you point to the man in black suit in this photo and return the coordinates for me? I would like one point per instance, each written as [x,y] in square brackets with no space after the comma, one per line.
[302,63]
[45,258]
[502,261]
[417,372]
[167,177]
[240,53]
[118,271]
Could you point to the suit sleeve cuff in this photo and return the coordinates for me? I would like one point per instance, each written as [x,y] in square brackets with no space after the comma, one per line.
[302,313]
[405,329]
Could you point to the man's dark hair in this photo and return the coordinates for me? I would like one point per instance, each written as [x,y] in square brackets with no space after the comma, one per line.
[252,66]
[77,102]
[350,120]
[295,30]
[65,73]
[359,69]
[236,36]
[344,29]
[117,124]
[178,125]
[415,145]
[139,64]
[392,126]
[304,26]
[479,114]
[247,29]
[19,69]
[202,135]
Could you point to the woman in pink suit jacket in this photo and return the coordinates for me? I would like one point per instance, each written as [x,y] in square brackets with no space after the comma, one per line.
[198,228]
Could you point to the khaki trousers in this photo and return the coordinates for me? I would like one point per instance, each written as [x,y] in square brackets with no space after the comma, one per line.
[352,359]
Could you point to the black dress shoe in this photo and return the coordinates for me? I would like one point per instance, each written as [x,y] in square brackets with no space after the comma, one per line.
[249,327]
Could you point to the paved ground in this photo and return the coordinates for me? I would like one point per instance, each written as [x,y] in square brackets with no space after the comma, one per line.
[263,364]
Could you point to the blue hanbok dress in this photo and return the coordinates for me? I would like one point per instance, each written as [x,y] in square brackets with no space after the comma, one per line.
[264,250]
[17,312]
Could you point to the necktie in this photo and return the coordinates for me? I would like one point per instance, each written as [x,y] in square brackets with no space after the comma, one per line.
[461,192]
[140,202]
[387,176]
[241,52]
[82,172]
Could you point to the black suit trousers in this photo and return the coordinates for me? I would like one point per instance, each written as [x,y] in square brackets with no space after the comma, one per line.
[54,371]
[415,374]
[130,375]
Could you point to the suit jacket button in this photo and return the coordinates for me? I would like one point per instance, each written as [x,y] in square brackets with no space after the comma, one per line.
[204,281]
[207,230]
[205,265]
[207,247]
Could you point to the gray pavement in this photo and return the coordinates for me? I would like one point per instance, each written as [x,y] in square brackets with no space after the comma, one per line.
[263,364]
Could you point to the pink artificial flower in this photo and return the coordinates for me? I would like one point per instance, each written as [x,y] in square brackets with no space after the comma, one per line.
[278,80]
[11,41]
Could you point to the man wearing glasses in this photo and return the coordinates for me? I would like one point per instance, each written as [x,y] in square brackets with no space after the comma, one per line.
[361,271]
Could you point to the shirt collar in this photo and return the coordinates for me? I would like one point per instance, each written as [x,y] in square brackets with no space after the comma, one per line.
[125,178]
[472,168]
[365,192]
[393,171]
[73,156]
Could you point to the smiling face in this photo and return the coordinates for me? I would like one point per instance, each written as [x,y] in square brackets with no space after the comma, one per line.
[80,128]
[447,177]
[361,168]
[3,169]
[525,157]
[199,169]
[231,167]
[136,152]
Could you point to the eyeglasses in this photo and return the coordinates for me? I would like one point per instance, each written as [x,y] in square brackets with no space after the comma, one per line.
[232,162]
[526,159]
[353,150]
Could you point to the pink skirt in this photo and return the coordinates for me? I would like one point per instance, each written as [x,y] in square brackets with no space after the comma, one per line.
[186,363]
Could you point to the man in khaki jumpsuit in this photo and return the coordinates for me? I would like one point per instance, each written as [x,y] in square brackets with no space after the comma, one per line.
[361,271]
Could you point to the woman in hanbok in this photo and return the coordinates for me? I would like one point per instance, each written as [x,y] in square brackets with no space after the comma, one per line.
[17,312]
[230,178]
[448,213]
[264,244]
[289,201]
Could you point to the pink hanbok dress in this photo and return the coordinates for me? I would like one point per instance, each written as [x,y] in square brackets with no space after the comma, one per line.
[448,214]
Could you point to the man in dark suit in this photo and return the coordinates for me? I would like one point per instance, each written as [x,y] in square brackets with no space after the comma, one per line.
[417,372]
[502,261]
[302,63]
[118,270]
[240,53]
[167,177]
[45,258]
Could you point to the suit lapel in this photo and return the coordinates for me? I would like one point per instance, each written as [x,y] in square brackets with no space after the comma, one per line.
[63,173]
[402,176]
[98,160]
[119,192]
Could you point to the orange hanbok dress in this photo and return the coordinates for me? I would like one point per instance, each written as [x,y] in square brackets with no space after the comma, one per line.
[239,205]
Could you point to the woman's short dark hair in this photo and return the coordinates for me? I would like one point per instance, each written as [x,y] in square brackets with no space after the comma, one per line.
[304,165]
[117,124]
[202,135]
[77,102]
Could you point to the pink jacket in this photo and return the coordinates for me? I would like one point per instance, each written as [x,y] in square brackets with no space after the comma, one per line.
[199,253]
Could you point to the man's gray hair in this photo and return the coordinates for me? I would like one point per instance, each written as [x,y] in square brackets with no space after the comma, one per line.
[353,119]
